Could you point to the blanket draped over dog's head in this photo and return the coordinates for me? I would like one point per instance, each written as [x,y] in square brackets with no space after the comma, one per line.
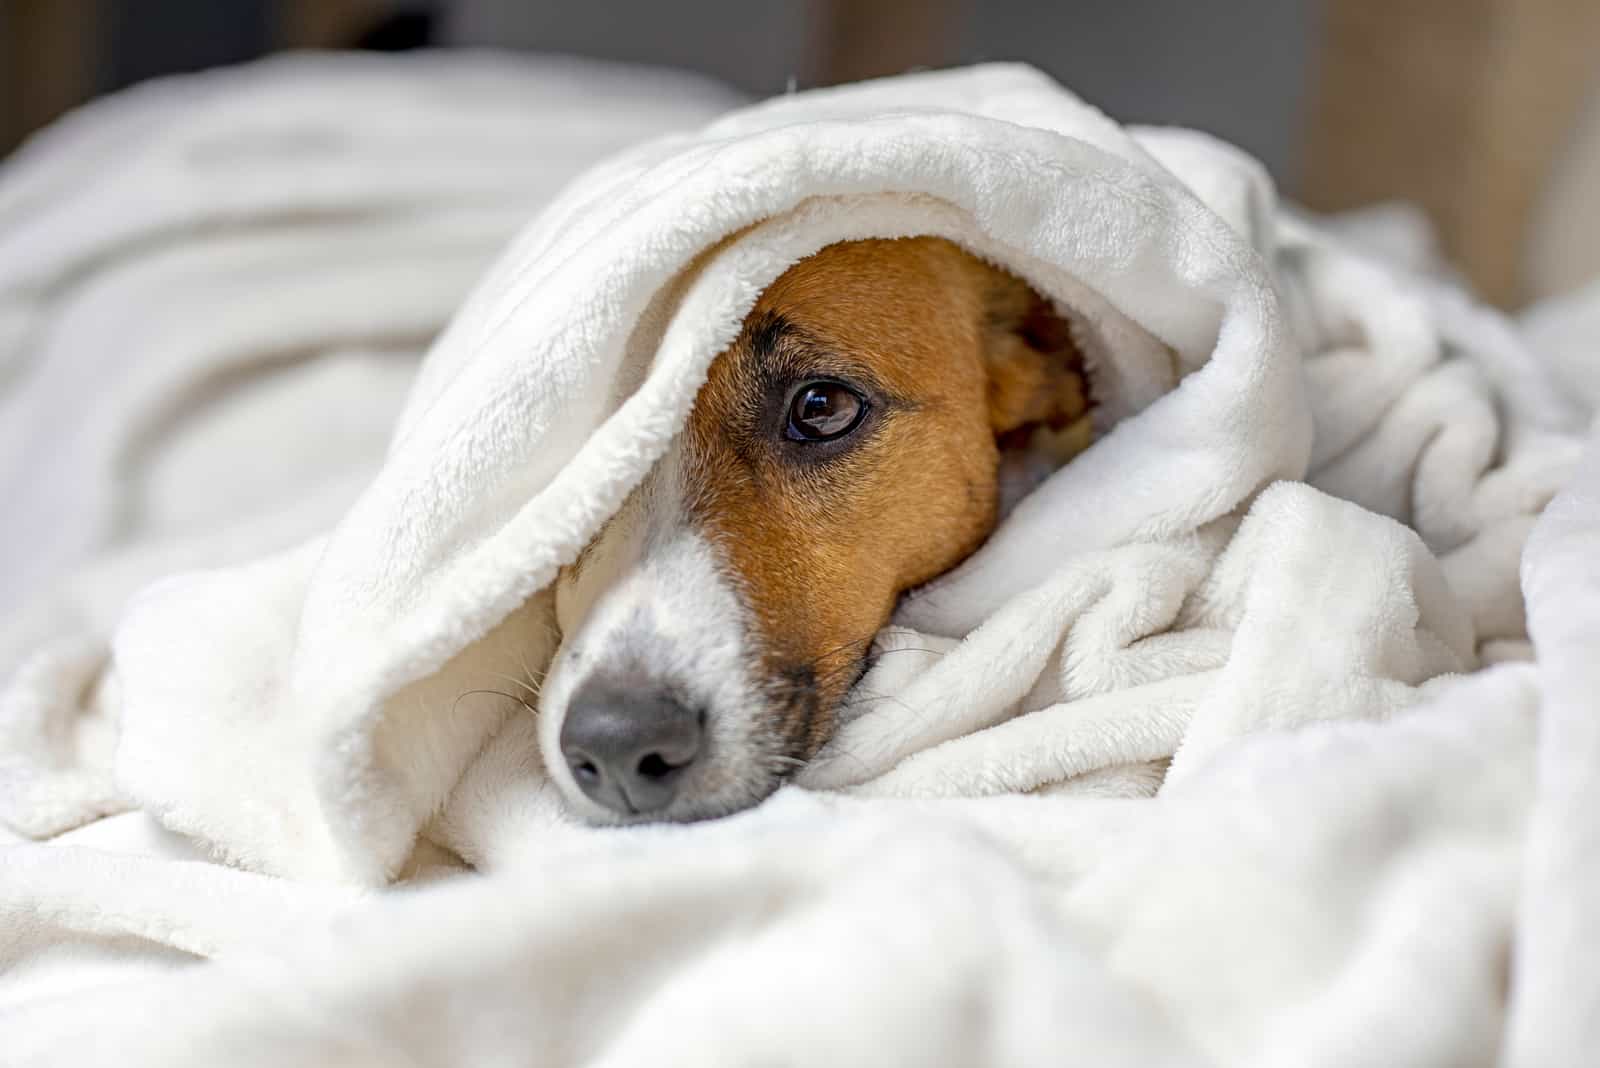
[1260,733]
[1151,592]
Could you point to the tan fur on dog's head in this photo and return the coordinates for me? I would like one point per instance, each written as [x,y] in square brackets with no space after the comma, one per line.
[953,355]
[922,363]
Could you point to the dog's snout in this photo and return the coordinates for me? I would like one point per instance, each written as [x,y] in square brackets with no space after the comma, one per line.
[629,747]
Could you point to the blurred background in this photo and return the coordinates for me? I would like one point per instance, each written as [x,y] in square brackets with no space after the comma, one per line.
[1484,113]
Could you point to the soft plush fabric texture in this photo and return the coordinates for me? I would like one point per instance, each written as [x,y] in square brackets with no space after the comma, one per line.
[214,294]
[1261,733]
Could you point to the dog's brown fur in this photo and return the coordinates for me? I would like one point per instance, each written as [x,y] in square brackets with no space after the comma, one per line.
[959,358]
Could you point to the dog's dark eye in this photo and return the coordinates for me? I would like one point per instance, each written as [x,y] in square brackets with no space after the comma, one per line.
[823,411]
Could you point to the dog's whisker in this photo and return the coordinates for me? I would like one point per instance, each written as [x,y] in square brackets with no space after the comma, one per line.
[840,753]
[909,649]
[831,654]
[861,667]
[836,650]
[877,698]
[832,674]
[876,653]
[497,693]
[533,691]
[535,679]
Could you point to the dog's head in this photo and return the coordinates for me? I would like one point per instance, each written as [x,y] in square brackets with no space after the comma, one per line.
[846,448]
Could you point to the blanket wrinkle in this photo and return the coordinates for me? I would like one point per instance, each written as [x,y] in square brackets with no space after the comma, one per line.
[1209,755]
[1556,1013]
[55,764]
[343,240]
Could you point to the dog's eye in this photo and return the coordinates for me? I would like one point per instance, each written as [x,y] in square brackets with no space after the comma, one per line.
[823,411]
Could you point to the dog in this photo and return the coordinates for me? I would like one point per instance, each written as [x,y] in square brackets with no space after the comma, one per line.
[844,450]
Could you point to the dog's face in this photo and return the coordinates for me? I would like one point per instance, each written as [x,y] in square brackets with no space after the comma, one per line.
[846,448]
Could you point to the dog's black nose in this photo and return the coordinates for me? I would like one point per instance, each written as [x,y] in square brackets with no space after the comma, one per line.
[629,748]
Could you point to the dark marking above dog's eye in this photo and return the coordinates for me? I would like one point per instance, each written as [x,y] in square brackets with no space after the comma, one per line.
[768,332]
[824,411]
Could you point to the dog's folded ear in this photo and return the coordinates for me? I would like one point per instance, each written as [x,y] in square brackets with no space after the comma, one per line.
[1037,380]
[1039,399]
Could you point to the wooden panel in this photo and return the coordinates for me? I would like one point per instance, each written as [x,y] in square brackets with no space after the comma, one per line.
[855,39]
[1542,66]
[1457,105]
[47,62]
[325,23]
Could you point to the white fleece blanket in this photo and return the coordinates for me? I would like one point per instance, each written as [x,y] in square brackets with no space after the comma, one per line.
[214,293]
[1281,805]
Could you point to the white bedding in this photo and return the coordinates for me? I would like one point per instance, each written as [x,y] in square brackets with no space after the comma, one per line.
[1208,756]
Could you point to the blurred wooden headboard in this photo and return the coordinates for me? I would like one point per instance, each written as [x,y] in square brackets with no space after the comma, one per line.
[1457,105]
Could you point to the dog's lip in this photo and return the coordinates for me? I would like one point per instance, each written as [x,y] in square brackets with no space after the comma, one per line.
[695,809]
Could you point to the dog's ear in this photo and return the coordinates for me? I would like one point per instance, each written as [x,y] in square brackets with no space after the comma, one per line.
[1035,368]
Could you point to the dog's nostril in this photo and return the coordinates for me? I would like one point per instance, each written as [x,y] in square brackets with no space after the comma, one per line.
[628,748]
[655,766]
